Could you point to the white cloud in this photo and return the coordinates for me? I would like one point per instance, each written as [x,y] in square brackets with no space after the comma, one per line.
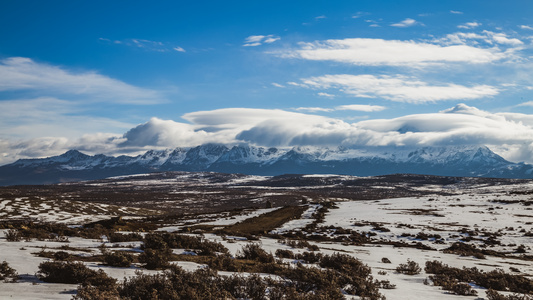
[510,134]
[488,37]
[145,44]
[378,52]
[320,17]
[48,116]
[399,88]
[314,109]
[501,38]
[361,107]
[526,27]
[326,95]
[456,12]
[405,23]
[24,74]
[257,40]
[277,85]
[469,25]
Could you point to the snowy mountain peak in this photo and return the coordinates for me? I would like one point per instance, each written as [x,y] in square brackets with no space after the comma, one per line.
[248,159]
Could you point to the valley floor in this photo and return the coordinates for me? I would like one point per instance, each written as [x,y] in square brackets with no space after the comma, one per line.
[463,225]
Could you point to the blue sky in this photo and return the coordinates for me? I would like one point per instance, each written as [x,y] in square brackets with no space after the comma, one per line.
[121,77]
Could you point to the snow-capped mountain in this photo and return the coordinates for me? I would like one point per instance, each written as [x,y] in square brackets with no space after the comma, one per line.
[446,161]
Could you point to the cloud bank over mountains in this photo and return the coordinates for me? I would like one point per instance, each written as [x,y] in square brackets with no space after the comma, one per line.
[508,134]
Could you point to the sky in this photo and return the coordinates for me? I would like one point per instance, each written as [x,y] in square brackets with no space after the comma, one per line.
[122,77]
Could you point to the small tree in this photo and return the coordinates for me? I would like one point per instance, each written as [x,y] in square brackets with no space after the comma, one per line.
[7,273]
[410,268]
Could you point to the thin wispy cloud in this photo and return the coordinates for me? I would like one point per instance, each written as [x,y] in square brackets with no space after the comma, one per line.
[405,23]
[456,12]
[258,40]
[327,95]
[361,107]
[397,88]
[378,52]
[25,75]
[527,27]
[469,25]
[487,37]
[147,45]
[314,109]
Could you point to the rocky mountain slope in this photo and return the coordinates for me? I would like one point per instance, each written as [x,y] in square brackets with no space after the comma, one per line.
[446,161]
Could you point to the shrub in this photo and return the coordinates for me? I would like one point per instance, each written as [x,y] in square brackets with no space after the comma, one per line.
[73,272]
[410,268]
[385,260]
[281,253]
[309,257]
[155,258]
[463,289]
[385,284]
[493,295]
[172,240]
[13,235]
[61,255]
[254,252]
[7,273]
[116,237]
[496,279]
[118,259]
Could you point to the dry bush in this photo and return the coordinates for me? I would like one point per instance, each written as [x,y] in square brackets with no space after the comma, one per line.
[73,272]
[494,295]
[409,268]
[7,273]
[13,235]
[61,255]
[254,251]
[118,259]
[282,253]
[496,279]
[300,244]
[173,240]
[154,259]
[116,237]
[309,257]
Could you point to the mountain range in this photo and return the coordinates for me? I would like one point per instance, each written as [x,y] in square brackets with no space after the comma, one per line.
[462,161]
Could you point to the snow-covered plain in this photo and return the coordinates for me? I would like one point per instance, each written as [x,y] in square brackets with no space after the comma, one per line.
[454,213]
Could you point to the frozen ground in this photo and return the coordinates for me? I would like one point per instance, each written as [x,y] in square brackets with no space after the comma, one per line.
[496,217]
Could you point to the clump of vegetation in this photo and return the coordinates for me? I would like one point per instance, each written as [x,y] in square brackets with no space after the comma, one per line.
[72,273]
[309,257]
[254,252]
[154,259]
[386,260]
[7,273]
[496,279]
[117,237]
[13,235]
[173,240]
[300,244]
[282,253]
[409,268]
[118,259]
[494,295]
[62,255]
[465,250]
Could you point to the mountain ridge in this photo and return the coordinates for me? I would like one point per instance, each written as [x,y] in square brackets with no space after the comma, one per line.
[462,161]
